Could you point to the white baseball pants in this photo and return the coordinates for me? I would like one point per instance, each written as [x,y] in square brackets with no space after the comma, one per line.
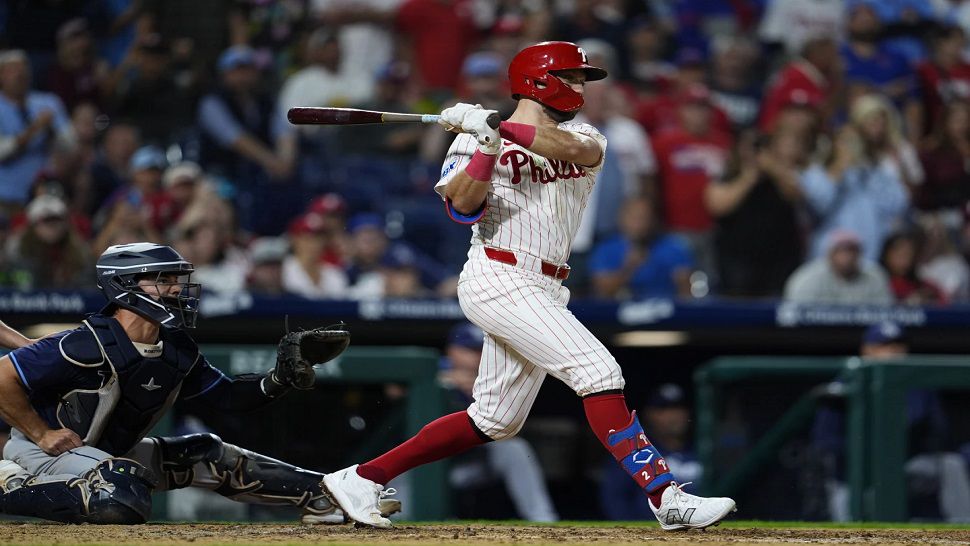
[529,333]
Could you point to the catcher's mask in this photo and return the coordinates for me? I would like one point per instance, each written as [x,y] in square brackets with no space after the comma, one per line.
[151,280]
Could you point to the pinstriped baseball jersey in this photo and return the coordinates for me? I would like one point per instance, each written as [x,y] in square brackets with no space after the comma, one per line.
[534,209]
[535,204]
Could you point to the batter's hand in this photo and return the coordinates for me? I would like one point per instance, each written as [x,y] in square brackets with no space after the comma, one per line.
[451,118]
[57,441]
[476,123]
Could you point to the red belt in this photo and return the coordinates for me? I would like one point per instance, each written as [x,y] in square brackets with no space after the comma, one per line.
[560,272]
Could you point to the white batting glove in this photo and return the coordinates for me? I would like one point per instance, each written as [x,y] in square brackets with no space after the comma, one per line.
[475,122]
[451,118]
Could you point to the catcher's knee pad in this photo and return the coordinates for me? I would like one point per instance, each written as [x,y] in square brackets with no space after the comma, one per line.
[117,491]
[121,492]
[181,453]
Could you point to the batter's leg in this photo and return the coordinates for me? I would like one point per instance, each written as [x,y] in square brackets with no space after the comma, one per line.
[528,313]
[504,391]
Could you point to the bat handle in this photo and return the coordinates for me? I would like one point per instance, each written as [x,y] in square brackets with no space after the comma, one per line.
[493,120]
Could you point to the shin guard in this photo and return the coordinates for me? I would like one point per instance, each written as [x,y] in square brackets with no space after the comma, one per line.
[631,448]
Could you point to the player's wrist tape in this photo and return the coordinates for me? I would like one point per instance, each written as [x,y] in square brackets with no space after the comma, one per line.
[481,166]
[522,134]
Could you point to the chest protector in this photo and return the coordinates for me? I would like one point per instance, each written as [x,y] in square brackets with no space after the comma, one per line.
[133,392]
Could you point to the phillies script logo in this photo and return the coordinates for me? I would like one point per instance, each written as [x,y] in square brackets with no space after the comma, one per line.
[550,171]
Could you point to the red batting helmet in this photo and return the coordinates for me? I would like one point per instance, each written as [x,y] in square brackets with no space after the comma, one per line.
[532,74]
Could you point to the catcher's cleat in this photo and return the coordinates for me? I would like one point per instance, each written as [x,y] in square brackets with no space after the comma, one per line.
[12,475]
[336,516]
[359,497]
[680,510]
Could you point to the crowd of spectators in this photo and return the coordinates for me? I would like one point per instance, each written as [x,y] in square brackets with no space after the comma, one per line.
[817,150]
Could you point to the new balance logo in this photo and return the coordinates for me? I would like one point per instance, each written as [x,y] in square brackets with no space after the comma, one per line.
[674,516]
[151,386]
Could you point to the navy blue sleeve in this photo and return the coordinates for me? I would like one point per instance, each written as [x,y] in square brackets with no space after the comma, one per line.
[211,388]
[41,366]
[202,379]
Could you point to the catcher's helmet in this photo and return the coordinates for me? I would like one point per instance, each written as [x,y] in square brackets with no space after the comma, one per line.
[121,267]
[532,74]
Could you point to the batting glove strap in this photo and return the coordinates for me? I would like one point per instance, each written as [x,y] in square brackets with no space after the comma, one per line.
[476,123]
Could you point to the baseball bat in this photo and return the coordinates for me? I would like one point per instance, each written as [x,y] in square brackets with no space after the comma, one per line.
[313,115]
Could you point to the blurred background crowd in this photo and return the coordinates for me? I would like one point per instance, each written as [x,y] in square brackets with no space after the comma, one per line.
[816,150]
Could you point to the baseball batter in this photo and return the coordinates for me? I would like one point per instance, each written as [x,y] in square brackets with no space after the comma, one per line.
[524,188]
[81,401]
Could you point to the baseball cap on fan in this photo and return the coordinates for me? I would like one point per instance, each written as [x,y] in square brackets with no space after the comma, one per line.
[394,72]
[883,333]
[268,250]
[148,157]
[668,395]
[696,93]
[364,220]
[328,203]
[690,57]
[400,256]
[181,173]
[467,335]
[801,98]
[44,207]
[482,65]
[305,224]
[843,238]
[235,57]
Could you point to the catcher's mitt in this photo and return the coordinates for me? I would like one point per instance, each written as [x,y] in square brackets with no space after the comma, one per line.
[299,351]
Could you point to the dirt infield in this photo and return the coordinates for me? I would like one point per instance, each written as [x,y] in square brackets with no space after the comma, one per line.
[276,534]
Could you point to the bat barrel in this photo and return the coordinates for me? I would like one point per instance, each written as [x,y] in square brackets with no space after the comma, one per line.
[310,115]
[307,115]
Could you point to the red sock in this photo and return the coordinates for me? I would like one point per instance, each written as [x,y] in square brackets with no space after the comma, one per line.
[608,413]
[443,437]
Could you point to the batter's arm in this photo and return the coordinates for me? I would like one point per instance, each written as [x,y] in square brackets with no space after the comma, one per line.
[555,143]
[577,148]
[466,194]
[16,410]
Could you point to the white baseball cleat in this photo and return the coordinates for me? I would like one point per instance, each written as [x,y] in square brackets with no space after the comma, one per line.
[336,516]
[359,497]
[680,510]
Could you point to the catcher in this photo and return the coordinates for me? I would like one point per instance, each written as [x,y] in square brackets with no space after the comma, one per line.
[81,401]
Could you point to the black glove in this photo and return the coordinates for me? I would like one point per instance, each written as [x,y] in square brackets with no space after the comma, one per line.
[299,351]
